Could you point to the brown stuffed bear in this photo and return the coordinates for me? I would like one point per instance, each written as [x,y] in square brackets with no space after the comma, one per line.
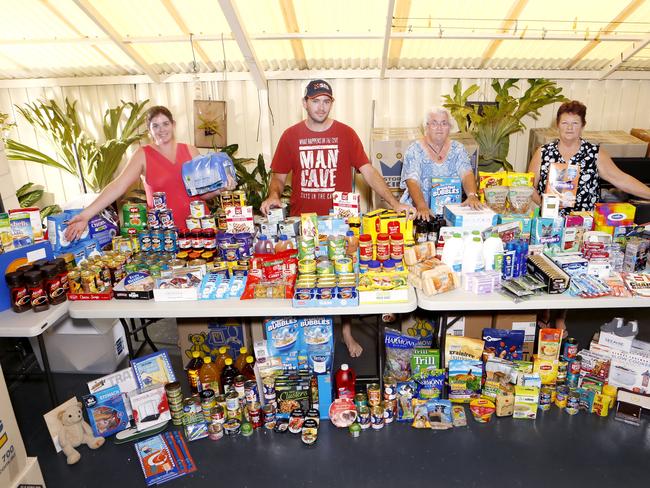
[75,431]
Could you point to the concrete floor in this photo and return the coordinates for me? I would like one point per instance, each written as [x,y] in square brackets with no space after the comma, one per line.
[555,450]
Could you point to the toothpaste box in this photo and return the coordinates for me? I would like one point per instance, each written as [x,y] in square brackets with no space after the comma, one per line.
[571,264]
[459,216]
[444,191]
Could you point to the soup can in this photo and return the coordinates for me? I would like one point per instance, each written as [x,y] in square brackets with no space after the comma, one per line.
[575,365]
[545,398]
[377,417]
[570,348]
[255,415]
[364,417]
[374,394]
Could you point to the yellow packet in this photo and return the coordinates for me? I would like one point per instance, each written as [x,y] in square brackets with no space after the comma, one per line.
[519,179]
[486,179]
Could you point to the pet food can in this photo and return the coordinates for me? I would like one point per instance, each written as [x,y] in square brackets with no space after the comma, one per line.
[561,396]
[545,398]
[232,401]
[215,431]
[377,417]
[217,414]
[153,222]
[250,392]
[390,388]
[166,219]
[374,394]
[159,200]
[364,417]
[360,400]
[573,403]
[268,414]
[197,209]
[570,348]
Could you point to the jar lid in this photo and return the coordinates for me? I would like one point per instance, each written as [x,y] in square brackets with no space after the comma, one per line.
[34,276]
[397,236]
[382,237]
[365,238]
[15,278]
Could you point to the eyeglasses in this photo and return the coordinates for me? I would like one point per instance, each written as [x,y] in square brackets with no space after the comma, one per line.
[570,124]
[444,123]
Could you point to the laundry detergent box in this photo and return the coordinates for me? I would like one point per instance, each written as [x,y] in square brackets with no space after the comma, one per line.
[444,191]
[301,343]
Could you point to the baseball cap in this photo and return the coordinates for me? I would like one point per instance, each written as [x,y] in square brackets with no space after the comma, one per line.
[318,87]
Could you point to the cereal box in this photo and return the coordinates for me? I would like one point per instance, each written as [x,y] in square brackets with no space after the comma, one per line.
[443,192]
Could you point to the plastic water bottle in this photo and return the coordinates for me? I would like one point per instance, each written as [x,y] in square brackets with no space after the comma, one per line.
[452,253]
[345,380]
[492,252]
[473,256]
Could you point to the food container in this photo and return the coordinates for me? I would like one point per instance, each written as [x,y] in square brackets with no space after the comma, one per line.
[232,427]
[309,432]
[215,431]
[482,409]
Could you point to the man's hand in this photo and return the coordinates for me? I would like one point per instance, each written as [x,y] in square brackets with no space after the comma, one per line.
[473,202]
[410,212]
[76,227]
[423,213]
[271,202]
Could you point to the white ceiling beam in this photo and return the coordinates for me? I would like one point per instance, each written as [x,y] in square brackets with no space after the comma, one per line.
[99,20]
[244,42]
[624,56]
[529,36]
[387,31]
[329,74]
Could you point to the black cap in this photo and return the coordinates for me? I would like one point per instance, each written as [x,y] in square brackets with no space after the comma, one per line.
[316,88]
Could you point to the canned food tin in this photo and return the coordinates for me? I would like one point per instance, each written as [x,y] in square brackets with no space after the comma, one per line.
[572,380]
[360,400]
[159,200]
[232,427]
[343,265]
[390,410]
[575,365]
[191,223]
[215,431]
[207,402]
[144,236]
[221,400]
[235,413]
[240,381]
[545,398]
[153,222]
[268,414]
[169,241]
[306,266]
[166,219]
[269,388]
[226,199]
[390,388]
[250,392]
[561,396]
[570,348]
[173,390]
[364,417]
[562,368]
[232,400]
[573,403]
[377,417]
[255,416]
[217,414]
[374,394]
[239,198]
[157,240]
[208,223]
[197,209]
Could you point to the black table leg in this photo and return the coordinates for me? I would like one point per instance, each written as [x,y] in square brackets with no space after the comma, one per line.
[48,372]
[127,334]
[145,332]
[380,351]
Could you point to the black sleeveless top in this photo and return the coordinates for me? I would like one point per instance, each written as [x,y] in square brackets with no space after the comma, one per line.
[588,191]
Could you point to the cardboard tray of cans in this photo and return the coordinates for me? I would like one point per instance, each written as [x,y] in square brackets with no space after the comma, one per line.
[300,299]
[90,296]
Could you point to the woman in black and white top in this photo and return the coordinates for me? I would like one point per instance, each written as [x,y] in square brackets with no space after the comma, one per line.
[570,166]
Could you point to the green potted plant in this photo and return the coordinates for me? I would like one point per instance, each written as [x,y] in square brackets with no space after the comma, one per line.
[491,125]
[93,162]
[29,194]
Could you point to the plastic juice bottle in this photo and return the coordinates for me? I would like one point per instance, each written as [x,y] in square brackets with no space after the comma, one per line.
[351,244]
[493,252]
[345,380]
[452,253]
[248,370]
[284,243]
[263,245]
[228,376]
[193,371]
[240,362]
[208,375]
[220,361]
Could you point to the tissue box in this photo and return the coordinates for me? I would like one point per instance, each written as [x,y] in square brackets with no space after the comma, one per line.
[459,216]
[607,216]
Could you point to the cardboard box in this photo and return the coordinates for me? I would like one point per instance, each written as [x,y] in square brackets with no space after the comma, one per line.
[617,143]
[12,260]
[519,321]
[208,335]
[459,216]
[644,135]
[31,477]
[470,325]
[13,457]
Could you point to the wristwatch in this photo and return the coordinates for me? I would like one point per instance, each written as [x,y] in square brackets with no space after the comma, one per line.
[475,195]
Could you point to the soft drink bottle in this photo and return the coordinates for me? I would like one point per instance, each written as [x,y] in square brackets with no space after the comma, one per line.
[345,380]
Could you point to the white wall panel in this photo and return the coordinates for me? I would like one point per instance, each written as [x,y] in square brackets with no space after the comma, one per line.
[612,105]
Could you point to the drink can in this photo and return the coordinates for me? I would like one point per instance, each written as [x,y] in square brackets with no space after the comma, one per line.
[250,392]
[197,209]
[570,348]
[377,417]
[159,200]
[364,417]
[153,222]
[166,219]
[390,388]
[374,394]
[545,398]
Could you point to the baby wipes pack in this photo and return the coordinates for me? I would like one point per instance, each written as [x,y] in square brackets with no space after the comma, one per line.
[207,172]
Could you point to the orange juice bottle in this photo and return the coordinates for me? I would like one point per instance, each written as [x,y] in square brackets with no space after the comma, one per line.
[220,360]
[248,369]
[240,362]
[208,376]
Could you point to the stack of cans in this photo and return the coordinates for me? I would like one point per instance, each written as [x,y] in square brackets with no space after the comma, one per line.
[390,399]
[363,411]
[175,401]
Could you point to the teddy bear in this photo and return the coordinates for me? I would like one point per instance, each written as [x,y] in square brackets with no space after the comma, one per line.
[75,431]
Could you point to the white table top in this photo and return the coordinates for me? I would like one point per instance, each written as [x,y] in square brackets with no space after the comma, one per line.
[460,300]
[29,323]
[223,308]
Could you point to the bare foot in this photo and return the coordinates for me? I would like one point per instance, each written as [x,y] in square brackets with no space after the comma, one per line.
[354,348]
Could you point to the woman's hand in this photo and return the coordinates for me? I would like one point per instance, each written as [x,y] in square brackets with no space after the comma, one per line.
[423,212]
[473,202]
[410,212]
[76,227]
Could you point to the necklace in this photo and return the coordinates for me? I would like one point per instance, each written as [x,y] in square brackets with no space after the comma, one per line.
[439,152]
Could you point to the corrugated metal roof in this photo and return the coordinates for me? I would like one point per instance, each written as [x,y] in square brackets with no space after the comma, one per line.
[47,38]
